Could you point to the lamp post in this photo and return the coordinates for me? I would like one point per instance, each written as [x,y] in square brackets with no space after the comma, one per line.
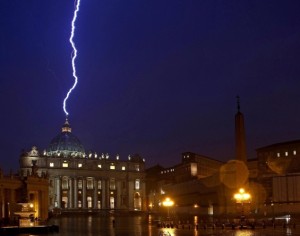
[242,197]
[168,203]
[272,206]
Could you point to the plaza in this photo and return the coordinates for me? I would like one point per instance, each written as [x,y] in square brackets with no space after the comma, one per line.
[144,225]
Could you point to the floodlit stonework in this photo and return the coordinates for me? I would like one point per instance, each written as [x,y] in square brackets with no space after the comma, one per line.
[80,181]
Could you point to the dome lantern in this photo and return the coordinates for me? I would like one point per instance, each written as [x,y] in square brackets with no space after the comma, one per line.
[66,127]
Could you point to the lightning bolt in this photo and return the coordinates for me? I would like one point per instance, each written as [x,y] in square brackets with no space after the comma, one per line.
[73,54]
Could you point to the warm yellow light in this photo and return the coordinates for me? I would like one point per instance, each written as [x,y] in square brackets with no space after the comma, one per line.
[246,196]
[242,195]
[168,202]
[31,205]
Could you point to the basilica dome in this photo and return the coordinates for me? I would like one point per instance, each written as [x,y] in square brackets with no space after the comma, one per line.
[65,144]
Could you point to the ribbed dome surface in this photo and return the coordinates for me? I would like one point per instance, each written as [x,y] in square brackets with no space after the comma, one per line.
[65,144]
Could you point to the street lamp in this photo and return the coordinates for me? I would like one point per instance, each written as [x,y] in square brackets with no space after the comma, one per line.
[272,206]
[242,197]
[168,203]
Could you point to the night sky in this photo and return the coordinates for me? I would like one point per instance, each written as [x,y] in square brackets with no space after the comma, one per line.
[156,77]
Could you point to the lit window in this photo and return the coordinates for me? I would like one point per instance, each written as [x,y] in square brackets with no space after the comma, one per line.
[51,164]
[123,168]
[112,167]
[294,152]
[286,154]
[99,166]
[65,164]
[79,165]
[137,184]
[194,169]
[137,167]
[278,154]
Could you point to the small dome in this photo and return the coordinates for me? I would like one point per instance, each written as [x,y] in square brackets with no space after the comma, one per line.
[65,144]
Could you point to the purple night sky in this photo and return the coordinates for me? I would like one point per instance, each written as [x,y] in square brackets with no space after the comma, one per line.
[155,77]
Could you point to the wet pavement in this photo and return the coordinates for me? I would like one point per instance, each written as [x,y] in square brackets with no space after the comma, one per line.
[135,225]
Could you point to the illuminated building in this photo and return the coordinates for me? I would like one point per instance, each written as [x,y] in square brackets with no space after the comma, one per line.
[30,189]
[80,181]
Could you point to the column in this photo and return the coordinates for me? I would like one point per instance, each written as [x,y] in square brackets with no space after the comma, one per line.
[41,202]
[12,200]
[143,193]
[83,193]
[2,202]
[95,194]
[103,191]
[12,196]
[118,193]
[58,191]
[130,194]
[107,195]
[75,192]
[70,194]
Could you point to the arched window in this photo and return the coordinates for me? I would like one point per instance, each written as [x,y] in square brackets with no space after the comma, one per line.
[137,202]
[112,202]
[89,202]
[64,183]
[137,184]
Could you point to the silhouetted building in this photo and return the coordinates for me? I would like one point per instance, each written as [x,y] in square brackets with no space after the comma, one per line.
[240,137]
[204,186]
[182,183]
[279,174]
[16,189]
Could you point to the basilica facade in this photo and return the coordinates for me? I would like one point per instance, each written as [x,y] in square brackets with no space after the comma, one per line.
[80,181]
